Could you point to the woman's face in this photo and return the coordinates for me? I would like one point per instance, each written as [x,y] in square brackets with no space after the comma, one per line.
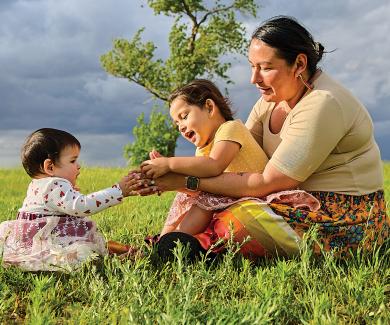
[275,79]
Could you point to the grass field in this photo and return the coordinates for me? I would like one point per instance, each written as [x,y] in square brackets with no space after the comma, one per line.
[304,290]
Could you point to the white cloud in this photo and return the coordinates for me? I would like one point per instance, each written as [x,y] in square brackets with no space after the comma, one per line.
[10,145]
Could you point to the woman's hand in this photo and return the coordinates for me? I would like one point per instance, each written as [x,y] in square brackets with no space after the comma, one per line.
[171,182]
[168,182]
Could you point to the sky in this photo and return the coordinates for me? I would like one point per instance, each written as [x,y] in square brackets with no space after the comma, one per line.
[51,76]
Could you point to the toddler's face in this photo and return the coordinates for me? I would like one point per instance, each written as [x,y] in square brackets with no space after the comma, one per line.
[68,166]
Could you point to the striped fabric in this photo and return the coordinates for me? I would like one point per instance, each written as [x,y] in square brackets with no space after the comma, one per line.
[263,232]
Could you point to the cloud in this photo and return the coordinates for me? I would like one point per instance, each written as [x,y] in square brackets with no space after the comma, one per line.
[95,148]
[10,144]
[115,90]
[51,74]
[382,128]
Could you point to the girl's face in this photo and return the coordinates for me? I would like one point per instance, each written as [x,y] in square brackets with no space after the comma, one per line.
[192,121]
[68,166]
[275,79]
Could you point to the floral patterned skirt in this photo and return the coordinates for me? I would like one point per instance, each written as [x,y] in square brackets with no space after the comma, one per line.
[36,242]
[343,223]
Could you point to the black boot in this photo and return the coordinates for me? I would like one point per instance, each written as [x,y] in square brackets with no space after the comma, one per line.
[168,242]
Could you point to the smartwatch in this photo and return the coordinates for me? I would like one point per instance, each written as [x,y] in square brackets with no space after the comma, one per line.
[192,183]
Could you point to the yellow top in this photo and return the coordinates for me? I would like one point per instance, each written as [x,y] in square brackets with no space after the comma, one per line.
[250,158]
[326,141]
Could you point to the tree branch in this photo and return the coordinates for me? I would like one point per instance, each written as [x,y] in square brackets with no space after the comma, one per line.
[152,91]
[188,12]
[211,12]
[195,26]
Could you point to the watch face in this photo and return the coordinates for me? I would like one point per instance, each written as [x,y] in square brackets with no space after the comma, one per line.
[192,183]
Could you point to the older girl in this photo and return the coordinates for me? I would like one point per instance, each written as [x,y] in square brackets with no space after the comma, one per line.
[204,117]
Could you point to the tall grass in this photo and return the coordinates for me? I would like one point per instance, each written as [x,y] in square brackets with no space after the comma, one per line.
[232,290]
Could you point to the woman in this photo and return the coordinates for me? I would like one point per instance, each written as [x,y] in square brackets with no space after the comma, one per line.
[318,137]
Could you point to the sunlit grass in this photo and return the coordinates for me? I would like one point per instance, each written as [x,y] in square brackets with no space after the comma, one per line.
[304,290]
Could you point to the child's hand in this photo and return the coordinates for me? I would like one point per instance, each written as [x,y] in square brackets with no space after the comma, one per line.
[155,167]
[129,185]
[154,154]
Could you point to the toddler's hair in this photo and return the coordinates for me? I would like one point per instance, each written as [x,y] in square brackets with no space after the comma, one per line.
[198,91]
[45,144]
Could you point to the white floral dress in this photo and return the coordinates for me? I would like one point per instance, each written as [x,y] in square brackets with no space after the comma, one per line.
[52,231]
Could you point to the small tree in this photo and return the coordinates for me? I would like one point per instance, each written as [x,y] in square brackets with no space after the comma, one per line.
[199,37]
[156,134]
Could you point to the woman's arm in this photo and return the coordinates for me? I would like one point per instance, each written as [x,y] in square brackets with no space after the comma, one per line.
[249,184]
[233,184]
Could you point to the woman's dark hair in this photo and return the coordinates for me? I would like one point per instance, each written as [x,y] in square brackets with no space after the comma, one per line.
[290,38]
[198,91]
[45,144]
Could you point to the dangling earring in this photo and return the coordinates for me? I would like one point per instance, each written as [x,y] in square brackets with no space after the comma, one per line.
[307,85]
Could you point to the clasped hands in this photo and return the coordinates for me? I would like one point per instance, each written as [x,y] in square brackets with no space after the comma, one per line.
[137,183]
[141,181]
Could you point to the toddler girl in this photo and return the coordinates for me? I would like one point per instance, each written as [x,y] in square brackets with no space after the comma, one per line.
[52,230]
[203,117]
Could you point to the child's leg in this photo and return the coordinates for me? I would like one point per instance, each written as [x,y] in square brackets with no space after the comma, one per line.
[166,229]
[179,208]
[195,221]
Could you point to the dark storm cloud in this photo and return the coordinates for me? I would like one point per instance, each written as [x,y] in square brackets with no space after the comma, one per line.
[51,74]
